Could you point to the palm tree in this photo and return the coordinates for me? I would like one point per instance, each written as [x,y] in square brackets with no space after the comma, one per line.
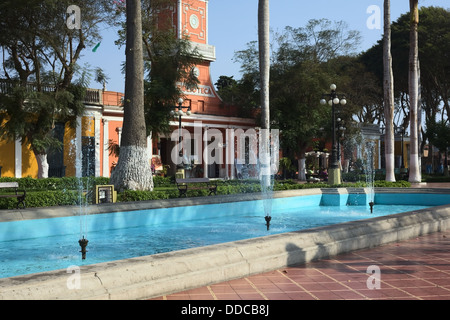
[388,86]
[264,59]
[133,169]
[264,69]
[414,166]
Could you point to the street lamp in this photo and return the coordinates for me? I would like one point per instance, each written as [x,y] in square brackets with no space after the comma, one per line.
[334,175]
[178,110]
[341,132]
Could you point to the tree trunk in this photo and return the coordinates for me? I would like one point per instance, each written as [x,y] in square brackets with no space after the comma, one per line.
[42,165]
[301,169]
[264,68]
[133,170]
[414,167]
[264,59]
[388,87]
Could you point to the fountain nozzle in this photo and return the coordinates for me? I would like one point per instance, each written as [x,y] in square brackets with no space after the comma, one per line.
[83,244]
[268,218]
[371,206]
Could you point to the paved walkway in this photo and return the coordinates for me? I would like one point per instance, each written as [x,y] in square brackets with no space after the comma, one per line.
[417,269]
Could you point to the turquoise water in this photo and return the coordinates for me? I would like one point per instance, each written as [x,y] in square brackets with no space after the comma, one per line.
[49,244]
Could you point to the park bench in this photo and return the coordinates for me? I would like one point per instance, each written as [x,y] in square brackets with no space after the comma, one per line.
[19,194]
[195,183]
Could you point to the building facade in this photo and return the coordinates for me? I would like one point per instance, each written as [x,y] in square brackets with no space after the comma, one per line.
[86,150]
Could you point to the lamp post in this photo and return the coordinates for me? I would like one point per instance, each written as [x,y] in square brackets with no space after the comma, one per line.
[178,110]
[334,174]
[341,131]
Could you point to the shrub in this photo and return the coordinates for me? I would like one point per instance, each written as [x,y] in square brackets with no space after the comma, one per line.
[65,183]
[159,181]
[130,195]
[66,191]
[45,199]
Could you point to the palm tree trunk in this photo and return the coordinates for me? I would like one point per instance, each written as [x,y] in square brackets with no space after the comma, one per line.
[133,170]
[389,141]
[414,167]
[264,59]
[264,68]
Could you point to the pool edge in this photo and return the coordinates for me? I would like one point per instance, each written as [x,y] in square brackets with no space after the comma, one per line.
[161,274]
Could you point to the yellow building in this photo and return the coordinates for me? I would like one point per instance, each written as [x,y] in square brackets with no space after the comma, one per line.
[85,149]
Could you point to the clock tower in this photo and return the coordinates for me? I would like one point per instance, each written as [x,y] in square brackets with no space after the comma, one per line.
[189,18]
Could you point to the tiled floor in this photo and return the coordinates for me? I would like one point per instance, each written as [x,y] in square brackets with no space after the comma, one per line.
[416,269]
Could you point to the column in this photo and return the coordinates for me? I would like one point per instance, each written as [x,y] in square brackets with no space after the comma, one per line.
[97,144]
[204,153]
[78,154]
[18,158]
[105,167]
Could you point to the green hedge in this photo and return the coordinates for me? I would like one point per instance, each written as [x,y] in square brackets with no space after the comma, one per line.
[66,183]
[36,199]
[66,191]
[246,186]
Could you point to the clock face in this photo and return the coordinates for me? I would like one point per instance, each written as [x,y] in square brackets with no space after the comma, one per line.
[193,20]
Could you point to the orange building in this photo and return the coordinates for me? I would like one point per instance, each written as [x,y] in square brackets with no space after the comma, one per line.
[86,149]
[190,18]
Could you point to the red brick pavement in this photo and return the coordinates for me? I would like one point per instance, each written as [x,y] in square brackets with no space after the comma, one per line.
[416,269]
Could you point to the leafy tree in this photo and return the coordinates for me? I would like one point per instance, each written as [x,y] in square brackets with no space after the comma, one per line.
[434,48]
[40,55]
[304,64]
[168,61]
[438,134]
[242,93]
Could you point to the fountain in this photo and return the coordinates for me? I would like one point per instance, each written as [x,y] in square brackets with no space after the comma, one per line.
[369,171]
[154,229]
[83,244]
[84,166]
[268,166]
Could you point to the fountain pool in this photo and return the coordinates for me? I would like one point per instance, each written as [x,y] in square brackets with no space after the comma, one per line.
[49,244]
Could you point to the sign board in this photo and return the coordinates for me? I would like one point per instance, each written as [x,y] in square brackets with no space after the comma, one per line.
[105,194]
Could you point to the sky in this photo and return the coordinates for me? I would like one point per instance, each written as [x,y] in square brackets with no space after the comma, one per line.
[233,24]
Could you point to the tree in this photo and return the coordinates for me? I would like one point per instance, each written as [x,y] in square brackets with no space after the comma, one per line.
[168,61]
[264,60]
[388,87]
[438,134]
[434,53]
[264,69]
[133,169]
[414,165]
[303,64]
[40,55]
